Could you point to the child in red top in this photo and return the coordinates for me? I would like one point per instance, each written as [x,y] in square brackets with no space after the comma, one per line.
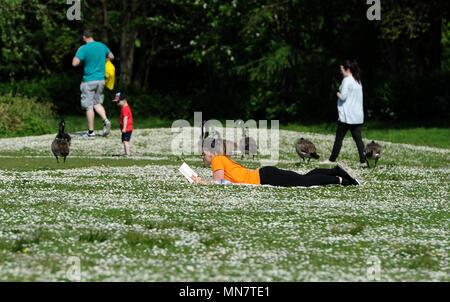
[126,121]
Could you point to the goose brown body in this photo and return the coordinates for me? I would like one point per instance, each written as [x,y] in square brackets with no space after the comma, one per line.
[61,144]
[306,148]
[247,144]
[372,151]
[229,147]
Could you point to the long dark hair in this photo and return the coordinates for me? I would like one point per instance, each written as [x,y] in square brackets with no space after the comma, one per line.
[354,68]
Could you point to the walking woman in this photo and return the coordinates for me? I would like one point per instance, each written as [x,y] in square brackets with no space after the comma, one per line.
[350,110]
[226,170]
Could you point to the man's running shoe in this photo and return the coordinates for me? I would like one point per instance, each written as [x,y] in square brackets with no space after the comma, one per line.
[106,127]
[88,135]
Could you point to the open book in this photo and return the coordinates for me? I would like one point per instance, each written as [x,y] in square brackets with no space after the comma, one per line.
[187,172]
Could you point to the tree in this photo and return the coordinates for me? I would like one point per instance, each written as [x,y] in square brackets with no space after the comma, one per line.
[128,36]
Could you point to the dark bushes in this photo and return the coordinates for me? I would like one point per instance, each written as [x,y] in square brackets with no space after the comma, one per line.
[21,115]
[396,98]
[410,98]
[62,90]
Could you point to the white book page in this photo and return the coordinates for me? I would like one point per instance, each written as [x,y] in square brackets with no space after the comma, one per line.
[187,172]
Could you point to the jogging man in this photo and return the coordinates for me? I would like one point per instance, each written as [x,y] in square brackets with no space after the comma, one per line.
[94,55]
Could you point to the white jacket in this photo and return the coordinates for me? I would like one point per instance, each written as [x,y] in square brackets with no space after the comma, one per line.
[350,104]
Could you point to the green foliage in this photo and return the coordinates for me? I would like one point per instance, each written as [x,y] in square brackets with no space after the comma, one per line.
[445,45]
[21,115]
[385,100]
[35,38]
[146,103]
[411,97]
[273,65]
[404,20]
[274,59]
[60,89]
[17,55]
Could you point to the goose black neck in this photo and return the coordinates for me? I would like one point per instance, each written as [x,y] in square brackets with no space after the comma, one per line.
[241,123]
[61,128]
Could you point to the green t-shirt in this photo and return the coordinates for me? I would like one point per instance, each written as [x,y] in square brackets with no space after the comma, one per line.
[94,56]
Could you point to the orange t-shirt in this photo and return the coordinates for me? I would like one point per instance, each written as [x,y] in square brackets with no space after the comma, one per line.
[235,172]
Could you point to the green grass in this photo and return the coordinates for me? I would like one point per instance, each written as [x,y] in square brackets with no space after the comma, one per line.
[94,236]
[431,136]
[79,123]
[420,136]
[139,220]
[32,164]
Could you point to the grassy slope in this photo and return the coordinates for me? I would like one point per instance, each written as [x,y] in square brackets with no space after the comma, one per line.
[438,137]
[420,136]
[139,220]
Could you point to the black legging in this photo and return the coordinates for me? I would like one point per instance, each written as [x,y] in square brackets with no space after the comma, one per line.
[340,134]
[283,178]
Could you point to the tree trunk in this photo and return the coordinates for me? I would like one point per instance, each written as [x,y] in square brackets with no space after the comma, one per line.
[393,55]
[419,53]
[104,31]
[127,41]
[436,36]
[149,62]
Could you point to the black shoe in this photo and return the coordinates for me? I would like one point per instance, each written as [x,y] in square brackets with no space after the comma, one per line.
[347,173]
[345,182]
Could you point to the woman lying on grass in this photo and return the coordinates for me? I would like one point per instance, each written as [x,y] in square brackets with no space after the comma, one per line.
[226,170]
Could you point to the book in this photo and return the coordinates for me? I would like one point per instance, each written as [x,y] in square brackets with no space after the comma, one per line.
[187,172]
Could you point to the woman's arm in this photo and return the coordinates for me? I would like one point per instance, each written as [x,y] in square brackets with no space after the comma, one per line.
[217,176]
[343,93]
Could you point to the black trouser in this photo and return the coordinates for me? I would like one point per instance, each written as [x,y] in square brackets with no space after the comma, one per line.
[340,134]
[318,177]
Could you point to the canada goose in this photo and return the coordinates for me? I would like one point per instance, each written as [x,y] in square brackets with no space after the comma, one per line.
[247,145]
[372,151]
[203,136]
[205,130]
[61,143]
[306,148]
[229,147]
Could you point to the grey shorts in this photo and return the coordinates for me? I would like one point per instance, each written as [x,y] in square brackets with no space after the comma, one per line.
[91,94]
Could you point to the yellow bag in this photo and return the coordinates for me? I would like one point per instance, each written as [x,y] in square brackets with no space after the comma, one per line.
[110,75]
